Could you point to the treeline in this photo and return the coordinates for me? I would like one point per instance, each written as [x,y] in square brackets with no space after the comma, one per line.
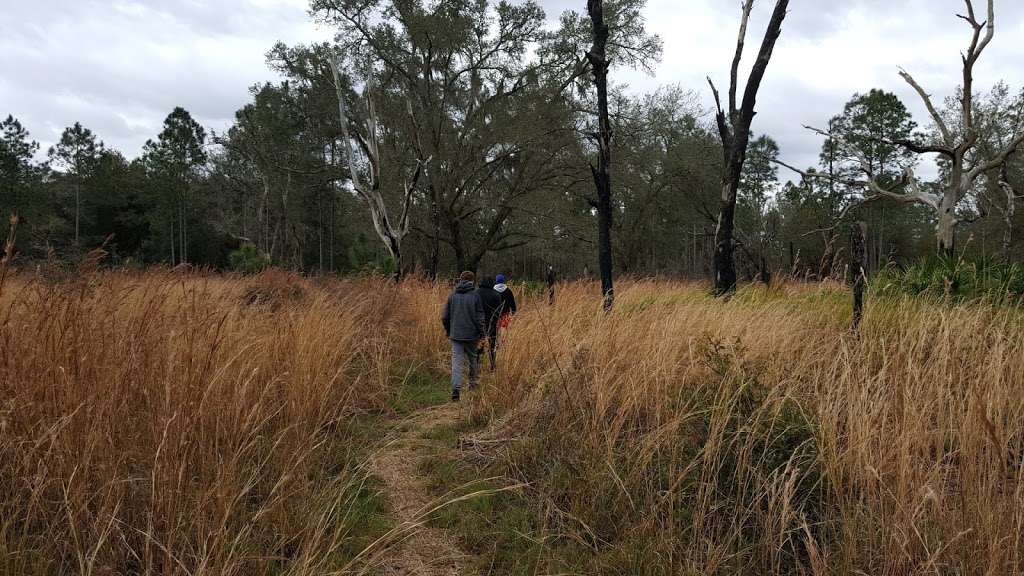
[184,200]
[433,137]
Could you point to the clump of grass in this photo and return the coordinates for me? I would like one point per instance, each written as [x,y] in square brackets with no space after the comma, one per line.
[275,288]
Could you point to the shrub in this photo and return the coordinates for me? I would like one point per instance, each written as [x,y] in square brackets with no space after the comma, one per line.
[941,276]
[248,259]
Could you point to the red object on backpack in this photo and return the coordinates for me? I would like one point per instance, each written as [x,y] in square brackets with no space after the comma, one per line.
[504,321]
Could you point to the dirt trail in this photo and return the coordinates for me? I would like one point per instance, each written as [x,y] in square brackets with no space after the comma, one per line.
[424,550]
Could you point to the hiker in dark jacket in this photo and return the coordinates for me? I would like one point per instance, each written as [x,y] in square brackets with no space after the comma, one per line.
[492,311]
[508,299]
[465,324]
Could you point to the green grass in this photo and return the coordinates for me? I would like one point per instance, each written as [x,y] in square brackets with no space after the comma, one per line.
[420,388]
[367,506]
[370,511]
[499,527]
[448,435]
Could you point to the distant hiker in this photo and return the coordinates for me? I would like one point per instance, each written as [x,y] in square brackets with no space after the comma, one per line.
[493,303]
[551,283]
[465,324]
[508,301]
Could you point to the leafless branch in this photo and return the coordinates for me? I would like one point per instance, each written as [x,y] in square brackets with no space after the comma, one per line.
[918,148]
[997,162]
[947,136]
[748,6]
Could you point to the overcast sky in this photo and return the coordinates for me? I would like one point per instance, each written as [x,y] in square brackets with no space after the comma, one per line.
[119,66]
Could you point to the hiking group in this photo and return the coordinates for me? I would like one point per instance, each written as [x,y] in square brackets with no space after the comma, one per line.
[472,317]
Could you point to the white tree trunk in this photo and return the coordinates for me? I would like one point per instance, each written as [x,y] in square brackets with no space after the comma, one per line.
[370,191]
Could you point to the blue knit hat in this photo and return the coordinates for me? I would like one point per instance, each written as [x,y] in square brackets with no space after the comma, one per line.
[500,279]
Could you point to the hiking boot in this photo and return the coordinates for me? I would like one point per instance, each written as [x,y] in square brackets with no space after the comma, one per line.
[455,395]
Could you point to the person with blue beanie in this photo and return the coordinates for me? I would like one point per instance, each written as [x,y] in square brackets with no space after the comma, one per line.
[505,311]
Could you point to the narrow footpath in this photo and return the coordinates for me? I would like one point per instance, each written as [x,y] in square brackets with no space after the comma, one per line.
[420,550]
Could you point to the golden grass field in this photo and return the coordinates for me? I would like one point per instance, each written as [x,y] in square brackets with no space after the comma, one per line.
[168,422]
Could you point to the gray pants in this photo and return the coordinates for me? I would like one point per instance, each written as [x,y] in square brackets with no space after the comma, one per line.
[462,352]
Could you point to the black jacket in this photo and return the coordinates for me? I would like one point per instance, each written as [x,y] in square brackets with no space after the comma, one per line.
[463,316]
[492,302]
[508,299]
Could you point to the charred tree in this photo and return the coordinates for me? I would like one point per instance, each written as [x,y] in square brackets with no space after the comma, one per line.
[598,58]
[858,253]
[734,130]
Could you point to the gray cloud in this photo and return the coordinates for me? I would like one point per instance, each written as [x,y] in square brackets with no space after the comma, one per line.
[119,66]
[828,51]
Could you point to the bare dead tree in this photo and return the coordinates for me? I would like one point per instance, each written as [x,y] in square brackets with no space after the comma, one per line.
[1008,211]
[598,58]
[964,170]
[734,130]
[370,191]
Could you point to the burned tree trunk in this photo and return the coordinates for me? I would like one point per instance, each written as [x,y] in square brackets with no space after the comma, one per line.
[764,274]
[734,130]
[598,58]
[858,254]
[724,261]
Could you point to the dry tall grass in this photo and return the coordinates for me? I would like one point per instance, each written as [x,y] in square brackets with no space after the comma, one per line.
[168,423]
[176,423]
[683,435]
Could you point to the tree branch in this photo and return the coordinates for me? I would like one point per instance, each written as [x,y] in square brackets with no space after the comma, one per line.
[918,148]
[343,119]
[748,6]
[764,55]
[947,136]
[723,127]
[908,181]
[996,162]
